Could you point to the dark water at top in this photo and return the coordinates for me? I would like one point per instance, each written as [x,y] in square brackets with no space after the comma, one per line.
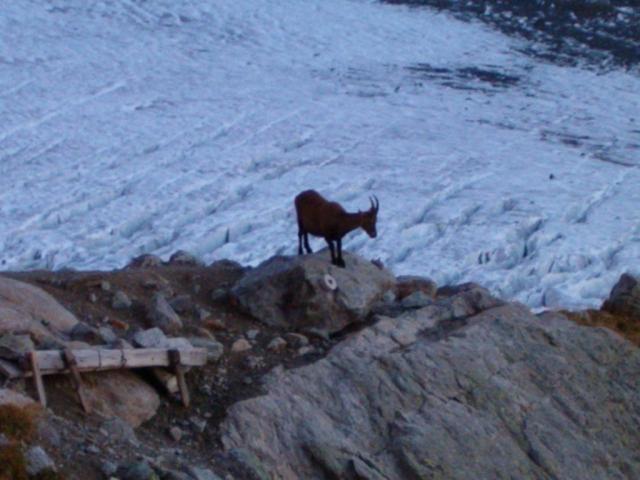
[604,34]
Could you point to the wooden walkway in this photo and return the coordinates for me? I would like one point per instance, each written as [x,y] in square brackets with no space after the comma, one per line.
[39,363]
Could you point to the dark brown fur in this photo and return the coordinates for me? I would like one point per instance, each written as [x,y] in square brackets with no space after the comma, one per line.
[322,218]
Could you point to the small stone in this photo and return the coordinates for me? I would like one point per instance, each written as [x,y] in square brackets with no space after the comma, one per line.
[202,313]
[145,261]
[240,345]
[254,362]
[196,288]
[137,471]
[321,333]
[38,460]
[213,323]
[277,344]
[296,340]
[408,284]
[121,301]
[306,350]
[151,338]
[202,474]
[417,299]
[185,258]
[92,449]
[199,424]
[163,316]
[252,334]
[181,303]
[105,286]
[176,433]
[107,335]
[93,298]
[108,468]
[118,429]
[85,333]
[219,295]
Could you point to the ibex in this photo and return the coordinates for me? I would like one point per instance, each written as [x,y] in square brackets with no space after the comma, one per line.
[322,218]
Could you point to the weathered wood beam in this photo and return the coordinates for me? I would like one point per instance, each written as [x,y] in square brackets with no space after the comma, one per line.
[37,377]
[175,357]
[70,360]
[90,360]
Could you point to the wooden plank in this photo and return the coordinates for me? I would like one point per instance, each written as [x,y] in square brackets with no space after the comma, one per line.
[89,360]
[37,377]
[175,357]
[70,360]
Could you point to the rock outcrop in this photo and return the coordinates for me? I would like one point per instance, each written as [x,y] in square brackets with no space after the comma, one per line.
[625,297]
[303,292]
[467,387]
[121,394]
[28,309]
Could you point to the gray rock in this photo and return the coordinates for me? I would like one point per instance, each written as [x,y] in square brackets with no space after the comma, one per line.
[468,387]
[181,303]
[85,333]
[199,424]
[15,346]
[202,474]
[202,313]
[240,345]
[252,334]
[121,301]
[28,309]
[214,349]
[176,433]
[251,463]
[296,340]
[417,299]
[108,468]
[105,286]
[163,316]
[625,297]
[277,344]
[120,430]
[408,284]
[37,460]
[220,295]
[150,338]
[145,261]
[185,258]
[137,471]
[308,291]
[107,335]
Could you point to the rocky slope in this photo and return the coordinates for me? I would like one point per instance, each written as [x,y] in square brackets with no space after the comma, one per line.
[320,372]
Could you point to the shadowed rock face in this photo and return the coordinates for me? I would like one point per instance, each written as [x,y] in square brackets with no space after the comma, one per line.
[468,387]
[293,292]
[28,309]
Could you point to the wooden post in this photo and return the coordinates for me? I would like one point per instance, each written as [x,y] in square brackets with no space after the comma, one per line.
[37,378]
[72,365]
[174,358]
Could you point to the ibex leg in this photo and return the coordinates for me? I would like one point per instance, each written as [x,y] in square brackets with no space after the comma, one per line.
[339,260]
[306,243]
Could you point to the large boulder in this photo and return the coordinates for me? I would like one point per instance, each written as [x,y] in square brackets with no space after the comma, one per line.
[467,387]
[28,309]
[625,297]
[121,393]
[307,291]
